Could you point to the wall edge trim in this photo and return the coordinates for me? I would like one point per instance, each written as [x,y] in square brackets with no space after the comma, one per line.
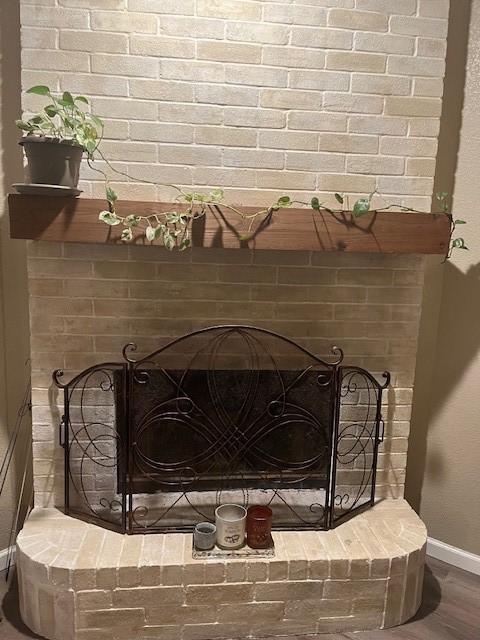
[453,555]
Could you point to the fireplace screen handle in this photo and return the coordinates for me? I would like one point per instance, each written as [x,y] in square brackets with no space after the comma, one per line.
[61,432]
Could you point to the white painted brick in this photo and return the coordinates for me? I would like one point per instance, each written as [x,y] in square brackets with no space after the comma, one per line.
[37,16]
[262,33]
[290,99]
[130,151]
[406,7]
[378,124]
[185,7]
[413,186]
[124,108]
[413,106]
[427,127]
[376,165]
[188,154]
[421,167]
[322,38]
[346,183]
[426,147]
[116,129]
[419,26]
[357,20]
[428,87]
[247,117]
[352,103]
[89,41]
[225,177]
[437,9]
[294,14]
[258,76]
[191,27]
[121,21]
[92,4]
[32,38]
[415,66]
[347,143]
[384,43]
[431,47]
[380,84]
[254,158]
[319,80]
[354,61]
[293,57]
[314,121]
[161,90]
[288,140]
[225,136]
[190,114]
[228,95]
[124,65]
[230,9]
[229,52]
[94,84]
[161,132]
[192,70]
[315,162]
[285,180]
[163,47]
[58,60]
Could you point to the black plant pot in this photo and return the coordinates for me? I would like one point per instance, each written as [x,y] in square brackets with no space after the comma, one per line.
[53,162]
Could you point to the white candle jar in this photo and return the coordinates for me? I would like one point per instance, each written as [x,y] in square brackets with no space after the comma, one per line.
[231,523]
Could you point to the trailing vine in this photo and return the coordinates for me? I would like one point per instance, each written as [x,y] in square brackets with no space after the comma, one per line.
[66,118]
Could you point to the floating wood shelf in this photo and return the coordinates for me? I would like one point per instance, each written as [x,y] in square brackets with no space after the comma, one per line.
[69,219]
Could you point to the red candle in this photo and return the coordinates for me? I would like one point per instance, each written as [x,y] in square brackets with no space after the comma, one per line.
[259,527]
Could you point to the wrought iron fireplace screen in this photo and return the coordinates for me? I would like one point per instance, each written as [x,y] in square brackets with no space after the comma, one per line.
[225,414]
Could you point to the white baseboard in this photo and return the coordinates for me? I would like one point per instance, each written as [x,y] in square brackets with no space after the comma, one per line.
[452,555]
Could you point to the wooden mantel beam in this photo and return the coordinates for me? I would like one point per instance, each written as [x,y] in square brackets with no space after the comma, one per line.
[61,219]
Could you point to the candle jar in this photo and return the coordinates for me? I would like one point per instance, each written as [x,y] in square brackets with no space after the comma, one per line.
[259,527]
[230,520]
[204,536]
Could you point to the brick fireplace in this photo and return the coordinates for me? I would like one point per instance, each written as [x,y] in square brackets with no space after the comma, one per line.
[260,98]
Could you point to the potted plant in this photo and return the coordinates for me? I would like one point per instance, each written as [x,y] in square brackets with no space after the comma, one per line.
[56,139]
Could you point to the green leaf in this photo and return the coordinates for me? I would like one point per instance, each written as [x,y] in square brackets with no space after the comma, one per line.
[284,201]
[111,195]
[51,110]
[168,241]
[132,221]
[459,243]
[150,233]
[127,235]
[81,99]
[67,97]
[460,222]
[109,218]
[441,195]
[36,119]
[184,244]
[339,198]
[361,207]
[217,194]
[315,203]
[97,121]
[39,90]
[24,126]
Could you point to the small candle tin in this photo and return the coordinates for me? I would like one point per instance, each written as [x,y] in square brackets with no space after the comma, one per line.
[204,536]
[231,523]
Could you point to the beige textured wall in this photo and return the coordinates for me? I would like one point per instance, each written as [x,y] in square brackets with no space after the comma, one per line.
[14,344]
[443,476]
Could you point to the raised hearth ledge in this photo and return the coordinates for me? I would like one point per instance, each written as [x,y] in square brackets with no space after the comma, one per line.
[76,220]
[80,582]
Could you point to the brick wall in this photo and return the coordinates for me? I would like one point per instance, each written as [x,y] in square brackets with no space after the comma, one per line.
[261,98]
[88,301]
